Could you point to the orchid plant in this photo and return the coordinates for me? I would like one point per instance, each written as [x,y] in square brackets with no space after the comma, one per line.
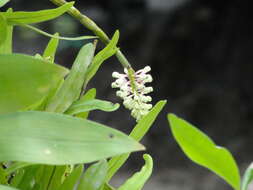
[46,138]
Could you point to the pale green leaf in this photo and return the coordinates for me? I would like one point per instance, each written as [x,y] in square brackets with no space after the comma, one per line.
[94,176]
[6,34]
[21,17]
[137,181]
[51,48]
[50,138]
[203,151]
[3,2]
[4,187]
[89,105]
[137,133]
[247,177]
[25,81]
[72,86]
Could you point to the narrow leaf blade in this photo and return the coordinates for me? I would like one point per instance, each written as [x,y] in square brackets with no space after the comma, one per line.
[202,150]
[248,177]
[51,48]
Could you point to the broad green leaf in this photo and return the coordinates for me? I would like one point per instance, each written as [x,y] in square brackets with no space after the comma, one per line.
[4,187]
[94,177]
[107,52]
[21,17]
[56,179]
[137,181]
[25,81]
[89,95]
[72,179]
[27,181]
[203,151]
[247,177]
[51,48]
[72,86]
[6,34]
[58,139]
[3,2]
[137,133]
[89,105]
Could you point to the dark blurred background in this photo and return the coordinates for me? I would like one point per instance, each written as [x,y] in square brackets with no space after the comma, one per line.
[201,56]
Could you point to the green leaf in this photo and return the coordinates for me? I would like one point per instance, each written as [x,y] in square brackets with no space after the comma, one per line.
[3,179]
[72,179]
[3,2]
[137,133]
[56,179]
[44,180]
[137,181]
[89,105]
[72,86]
[4,187]
[247,177]
[50,138]
[21,17]
[15,181]
[203,151]
[107,52]
[27,181]
[25,81]
[94,177]
[6,34]
[108,187]
[15,166]
[51,48]
[89,95]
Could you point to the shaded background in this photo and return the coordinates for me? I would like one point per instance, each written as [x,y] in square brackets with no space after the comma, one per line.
[201,56]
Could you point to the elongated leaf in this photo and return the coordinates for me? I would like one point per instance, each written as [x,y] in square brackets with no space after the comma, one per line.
[94,177]
[89,95]
[56,179]
[6,34]
[25,80]
[3,2]
[89,105]
[72,179]
[247,177]
[137,181]
[51,48]
[203,151]
[72,86]
[4,187]
[51,138]
[107,52]
[137,133]
[21,17]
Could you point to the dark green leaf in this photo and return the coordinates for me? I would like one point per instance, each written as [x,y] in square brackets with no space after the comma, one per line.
[89,105]
[50,138]
[202,150]
[72,179]
[72,86]
[21,17]
[25,81]
[94,177]
[248,177]
[137,133]
[137,181]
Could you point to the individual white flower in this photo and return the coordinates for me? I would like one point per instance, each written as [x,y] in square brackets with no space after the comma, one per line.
[134,92]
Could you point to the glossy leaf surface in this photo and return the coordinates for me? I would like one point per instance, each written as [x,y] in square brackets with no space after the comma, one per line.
[50,138]
[203,151]
[25,80]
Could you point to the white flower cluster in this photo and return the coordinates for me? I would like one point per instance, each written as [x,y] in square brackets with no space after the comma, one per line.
[134,96]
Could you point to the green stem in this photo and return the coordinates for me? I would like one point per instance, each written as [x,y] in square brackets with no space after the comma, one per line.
[88,23]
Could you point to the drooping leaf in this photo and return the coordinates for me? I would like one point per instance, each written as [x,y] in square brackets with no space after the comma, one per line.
[72,179]
[137,181]
[107,52]
[5,187]
[3,2]
[25,81]
[247,177]
[21,17]
[94,177]
[89,95]
[137,133]
[203,151]
[51,48]
[6,34]
[89,105]
[58,139]
[72,86]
